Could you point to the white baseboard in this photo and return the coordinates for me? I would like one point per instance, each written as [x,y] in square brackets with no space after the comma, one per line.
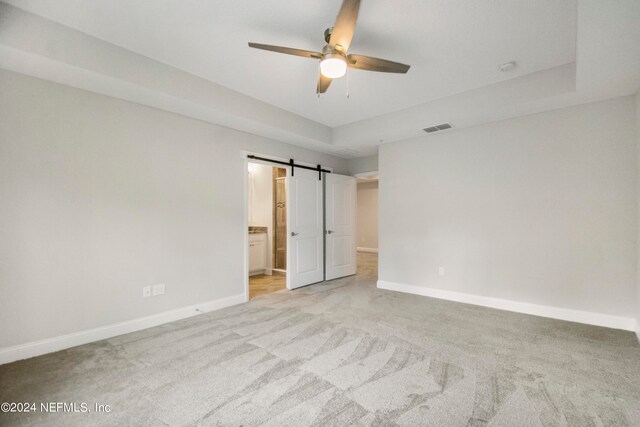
[360,249]
[49,345]
[590,318]
[258,272]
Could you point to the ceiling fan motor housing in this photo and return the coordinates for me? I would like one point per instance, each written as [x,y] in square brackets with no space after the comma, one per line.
[330,52]
[327,34]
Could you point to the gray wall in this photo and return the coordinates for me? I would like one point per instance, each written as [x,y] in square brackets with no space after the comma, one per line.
[100,197]
[539,209]
[367,215]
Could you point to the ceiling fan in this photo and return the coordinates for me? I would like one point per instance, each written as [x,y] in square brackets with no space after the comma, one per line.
[334,59]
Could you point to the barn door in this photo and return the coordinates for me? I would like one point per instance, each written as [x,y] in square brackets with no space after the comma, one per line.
[340,225]
[305,243]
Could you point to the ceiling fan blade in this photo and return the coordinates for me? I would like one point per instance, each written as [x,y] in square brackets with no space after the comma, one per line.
[362,62]
[345,24]
[287,50]
[323,83]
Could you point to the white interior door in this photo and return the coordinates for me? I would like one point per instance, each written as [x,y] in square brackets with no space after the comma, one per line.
[340,225]
[305,243]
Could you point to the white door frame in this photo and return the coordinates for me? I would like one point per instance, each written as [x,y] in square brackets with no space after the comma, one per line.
[245,213]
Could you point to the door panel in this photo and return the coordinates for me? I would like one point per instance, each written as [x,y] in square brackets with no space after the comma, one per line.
[340,249]
[340,225]
[304,247]
[305,244]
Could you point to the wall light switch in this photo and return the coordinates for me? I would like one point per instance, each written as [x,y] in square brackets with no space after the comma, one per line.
[146,292]
[440,271]
[158,289]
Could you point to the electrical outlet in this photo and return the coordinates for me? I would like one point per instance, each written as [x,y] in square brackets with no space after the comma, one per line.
[146,292]
[158,289]
[441,271]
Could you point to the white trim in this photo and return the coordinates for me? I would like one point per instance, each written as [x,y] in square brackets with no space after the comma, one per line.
[245,231]
[590,318]
[264,271]
[361,249]
[49,345]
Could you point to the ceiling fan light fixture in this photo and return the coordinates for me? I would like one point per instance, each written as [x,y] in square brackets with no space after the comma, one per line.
[333,66]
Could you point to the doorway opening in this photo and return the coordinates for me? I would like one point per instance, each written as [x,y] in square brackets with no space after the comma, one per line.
[367,216]
[267,219]
[291,239]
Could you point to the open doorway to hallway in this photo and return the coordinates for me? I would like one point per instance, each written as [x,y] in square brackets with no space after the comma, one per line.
[367,212]
[267,229]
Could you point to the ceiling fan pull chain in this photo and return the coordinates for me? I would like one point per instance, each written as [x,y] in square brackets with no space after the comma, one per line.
[347,83]
[317,91]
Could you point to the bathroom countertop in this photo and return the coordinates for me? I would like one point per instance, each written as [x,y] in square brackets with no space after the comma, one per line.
[257,230]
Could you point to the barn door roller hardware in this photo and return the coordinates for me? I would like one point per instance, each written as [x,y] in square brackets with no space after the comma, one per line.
[291,163]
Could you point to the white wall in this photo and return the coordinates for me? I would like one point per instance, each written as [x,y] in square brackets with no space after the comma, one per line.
[540,209]
[261,206]
[638,146]
[36,46]
[100,197]
[363,164]
[367,215]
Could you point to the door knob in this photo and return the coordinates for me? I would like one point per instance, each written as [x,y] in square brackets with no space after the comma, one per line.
[293,234]
[329,231]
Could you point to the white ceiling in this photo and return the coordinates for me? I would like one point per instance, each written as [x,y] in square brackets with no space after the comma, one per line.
[190,57]
[452,45]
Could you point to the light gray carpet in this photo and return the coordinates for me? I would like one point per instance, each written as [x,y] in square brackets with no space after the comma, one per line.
[341,353]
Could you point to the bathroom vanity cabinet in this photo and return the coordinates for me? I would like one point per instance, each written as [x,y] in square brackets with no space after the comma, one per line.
[257,253]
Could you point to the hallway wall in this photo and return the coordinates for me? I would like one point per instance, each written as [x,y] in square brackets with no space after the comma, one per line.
[367,216]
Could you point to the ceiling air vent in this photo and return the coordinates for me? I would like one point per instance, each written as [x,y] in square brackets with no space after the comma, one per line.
[437,128]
